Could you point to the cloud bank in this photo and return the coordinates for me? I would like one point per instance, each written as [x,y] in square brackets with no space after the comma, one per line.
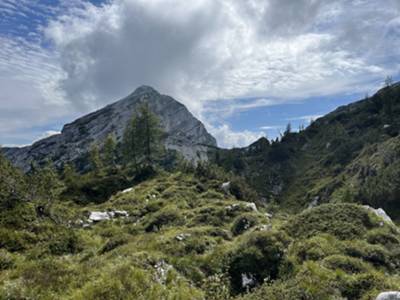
[213,55]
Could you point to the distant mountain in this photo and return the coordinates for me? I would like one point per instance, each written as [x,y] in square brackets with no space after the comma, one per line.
[185,133]
[350,155]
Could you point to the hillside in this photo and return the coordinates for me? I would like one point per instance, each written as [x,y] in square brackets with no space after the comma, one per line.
[184,133]
[180,236]
[295,218]
[349,155]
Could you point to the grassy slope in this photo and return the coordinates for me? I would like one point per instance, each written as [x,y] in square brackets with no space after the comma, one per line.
[317,162]
[326,252]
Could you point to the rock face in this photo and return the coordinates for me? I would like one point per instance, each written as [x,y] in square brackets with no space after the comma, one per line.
[389,296]
[184,132]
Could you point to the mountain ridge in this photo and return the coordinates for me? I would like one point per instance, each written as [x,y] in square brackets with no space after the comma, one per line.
[185,133]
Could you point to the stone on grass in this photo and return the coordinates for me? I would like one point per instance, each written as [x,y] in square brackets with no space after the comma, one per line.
[389,296]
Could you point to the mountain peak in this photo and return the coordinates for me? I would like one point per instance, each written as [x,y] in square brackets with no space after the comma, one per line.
[144,89]
[184,132]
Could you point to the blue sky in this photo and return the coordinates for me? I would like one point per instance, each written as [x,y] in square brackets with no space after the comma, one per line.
[245,68]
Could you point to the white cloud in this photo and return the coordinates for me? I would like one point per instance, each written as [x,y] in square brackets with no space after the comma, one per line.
[268,51]
[227,138]
[307,118]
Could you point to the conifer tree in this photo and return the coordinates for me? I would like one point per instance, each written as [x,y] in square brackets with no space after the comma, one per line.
[149,134]
[109,151]
[130,149]
[96,163]
[12,184]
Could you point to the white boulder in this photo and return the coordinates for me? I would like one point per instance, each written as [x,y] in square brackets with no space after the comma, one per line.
[251,205]
[121,213]
[97,216]
[380,213]
[247,280]
[389,296]
[127,190]
[226,187]
[182,236]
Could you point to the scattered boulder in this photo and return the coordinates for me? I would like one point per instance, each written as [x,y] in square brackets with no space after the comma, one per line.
[268,215]
[389,296]
[248,280]
[252,206]
[314,202]
[127,190]
[121,213]
[263,227]
[226,186]
[380,213]
[97,216]
[182,236]
[386,126]
[162,269]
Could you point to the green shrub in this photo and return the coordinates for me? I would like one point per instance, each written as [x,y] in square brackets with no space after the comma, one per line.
[244,222]
[375,254]
[382,237]
[344,221]
[113,243]
[127,282]
[315,248]
[260,257]
[64,242]
[167,216]
[348,264]
[14,240]
[6,260]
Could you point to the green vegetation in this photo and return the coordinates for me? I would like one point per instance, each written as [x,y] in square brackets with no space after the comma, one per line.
[279,220]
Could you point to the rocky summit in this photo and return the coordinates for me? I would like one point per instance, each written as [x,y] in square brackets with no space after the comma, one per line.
[185,133]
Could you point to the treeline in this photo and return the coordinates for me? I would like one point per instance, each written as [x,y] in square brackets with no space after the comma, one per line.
[112,166]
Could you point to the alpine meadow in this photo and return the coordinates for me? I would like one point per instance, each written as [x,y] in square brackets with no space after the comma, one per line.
[272,172]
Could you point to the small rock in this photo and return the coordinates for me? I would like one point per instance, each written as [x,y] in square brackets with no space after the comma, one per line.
[121,213]
[269,216]
[386,126]
[314,202]
[232,207]
[380,213]
[247,280]
[226,187]
[97,216]
[252,206]
[264,227]
[162,269]
[182,236]
[127,190]
[389,296]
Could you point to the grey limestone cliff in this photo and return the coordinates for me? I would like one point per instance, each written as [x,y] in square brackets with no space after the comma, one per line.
[185,133]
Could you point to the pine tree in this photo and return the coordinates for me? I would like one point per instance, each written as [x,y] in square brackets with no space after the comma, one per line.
[96,163]
[149,134]
[12,184]
[109,151]
[45,187]
[130,144]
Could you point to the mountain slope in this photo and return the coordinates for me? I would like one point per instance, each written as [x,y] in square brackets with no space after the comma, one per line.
[331,159]
[185,133]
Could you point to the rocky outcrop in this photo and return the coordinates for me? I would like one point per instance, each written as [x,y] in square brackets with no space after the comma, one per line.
[185,133]
[389,296]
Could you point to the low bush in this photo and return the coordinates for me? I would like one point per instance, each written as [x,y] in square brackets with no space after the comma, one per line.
[6,260]
[348,264]
[260,257]
[167,216]
[344,221]
[244,222]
